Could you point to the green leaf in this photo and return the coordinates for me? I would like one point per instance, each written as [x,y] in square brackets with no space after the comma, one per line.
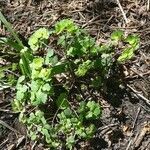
[91,105]
[32,135]
[61,40]
[21,79]
[38,98]
[94,110]
[70,141]
[46,87]
[65,24]
[23,88]
[3,40]
[35,85]
[33,42]
[53,60]
[68,112]
[22,117]
[127,54]
[74,51]
[37,63]
[11,43]
[43,120]
[90,131]
[41,97]
[39,113]
[59,68]
[37,38]
[25,61]
[35,74]
[62,101]
[49,54]
[44,74]
[89,115]
[45,132]
[82,107]
[132,40]
[42,33]
[19,95]
[97,111]
[84,67]
[117,35]
[2,74]
[17,105]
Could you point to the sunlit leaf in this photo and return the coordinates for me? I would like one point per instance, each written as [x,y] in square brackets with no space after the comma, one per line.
[37,38]
[46,87]
[84,67]
[127,54]
[117,35]
[37,63]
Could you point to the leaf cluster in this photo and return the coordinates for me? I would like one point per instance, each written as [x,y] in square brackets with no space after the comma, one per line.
[46,81]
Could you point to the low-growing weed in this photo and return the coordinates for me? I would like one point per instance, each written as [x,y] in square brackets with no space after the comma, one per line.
[51,97]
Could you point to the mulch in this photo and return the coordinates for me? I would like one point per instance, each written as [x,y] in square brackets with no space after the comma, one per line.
[125,123]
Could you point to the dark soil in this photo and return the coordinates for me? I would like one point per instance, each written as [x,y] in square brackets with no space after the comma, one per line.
[125,123]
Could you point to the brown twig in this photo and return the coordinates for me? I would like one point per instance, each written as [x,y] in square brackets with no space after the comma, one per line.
[147,101]
[108,126]
[122,11]
[141,136]
[8,127]
[7,111]
[129,140]
[148,5]
[138,111]
[3,143]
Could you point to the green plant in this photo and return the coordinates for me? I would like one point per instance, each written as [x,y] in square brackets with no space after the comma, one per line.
[8,77]
[13,33]
[132,44]
[44,96]
[90,110]
[12,49]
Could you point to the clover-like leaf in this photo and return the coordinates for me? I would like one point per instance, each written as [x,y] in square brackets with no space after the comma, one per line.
[117,35]
[133,40]
[17,105]
[84,67]
[49,54]
[70,141]
[35,85]
[46,87]
[19,95]
[127,54]
[37,63]
[36,38]
[94,110]
[41,97]
[32,135]
[38,98]
[65,24]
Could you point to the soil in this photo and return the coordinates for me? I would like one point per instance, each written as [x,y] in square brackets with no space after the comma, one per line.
[125,123]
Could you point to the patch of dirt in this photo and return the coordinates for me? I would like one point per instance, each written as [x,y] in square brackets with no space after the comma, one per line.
[125,123]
